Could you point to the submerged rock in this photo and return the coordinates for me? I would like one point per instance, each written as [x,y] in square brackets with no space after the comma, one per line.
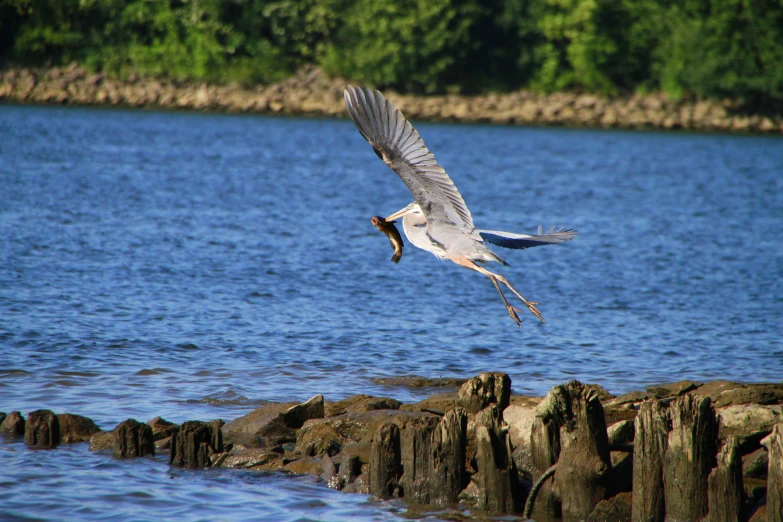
[102,441]
[76,428]
[417,381]
[13,425]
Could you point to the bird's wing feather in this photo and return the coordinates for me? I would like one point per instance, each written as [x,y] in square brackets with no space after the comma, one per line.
[399,145]
[519,241]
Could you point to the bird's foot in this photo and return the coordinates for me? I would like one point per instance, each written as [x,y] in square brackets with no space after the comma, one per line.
[513,312]
[531,305]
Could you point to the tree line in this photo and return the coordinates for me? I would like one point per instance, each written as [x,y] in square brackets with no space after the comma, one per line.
[712,48]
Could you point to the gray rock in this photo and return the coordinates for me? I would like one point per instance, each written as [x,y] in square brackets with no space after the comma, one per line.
[103,440]
[675,389]
[439,402]
[748,422]
[256,419]
[485,389]
[358,403]
[273,424]
[161,428]
[360,426]
[621,432]
[614,509]
[417,381]
[318,440]
[763,394]
[628,398]
[520,415]
[296,415]
[76,428]
[754,465]
[251,458]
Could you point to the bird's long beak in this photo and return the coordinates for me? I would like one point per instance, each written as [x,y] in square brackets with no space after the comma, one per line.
[400,213]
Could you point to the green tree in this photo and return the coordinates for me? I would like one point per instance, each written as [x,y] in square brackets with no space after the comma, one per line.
[410,45]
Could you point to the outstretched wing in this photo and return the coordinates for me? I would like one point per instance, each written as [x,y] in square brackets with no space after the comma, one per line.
[519,241]
[399,145]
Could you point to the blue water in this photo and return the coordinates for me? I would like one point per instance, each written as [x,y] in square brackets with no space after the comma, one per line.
[194,266]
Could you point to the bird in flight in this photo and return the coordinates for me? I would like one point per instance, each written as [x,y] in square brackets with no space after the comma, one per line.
[438,220]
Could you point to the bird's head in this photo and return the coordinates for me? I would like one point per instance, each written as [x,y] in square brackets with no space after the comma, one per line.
[413,208]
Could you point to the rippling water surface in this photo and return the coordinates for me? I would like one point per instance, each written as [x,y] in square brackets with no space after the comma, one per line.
[194,266]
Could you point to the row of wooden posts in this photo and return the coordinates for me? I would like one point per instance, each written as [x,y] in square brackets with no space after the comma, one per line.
[681,470]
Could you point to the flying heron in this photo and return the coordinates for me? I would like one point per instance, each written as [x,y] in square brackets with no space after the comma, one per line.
[438,220]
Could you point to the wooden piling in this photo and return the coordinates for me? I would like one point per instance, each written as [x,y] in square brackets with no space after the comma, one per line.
[725,485]
[42,429]
[689,457]
[652,435]
[497,478]
[446,472]
[133,439]
[194,444]
[385,462]
[584,463]
[774,444]
[415,450]
[544,452]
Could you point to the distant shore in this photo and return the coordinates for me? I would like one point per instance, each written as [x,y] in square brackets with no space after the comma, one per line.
[310,92]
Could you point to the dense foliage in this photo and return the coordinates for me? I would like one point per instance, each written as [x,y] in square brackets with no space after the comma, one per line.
[702,47]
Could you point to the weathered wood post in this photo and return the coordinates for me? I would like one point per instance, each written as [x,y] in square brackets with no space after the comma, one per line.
[385,463]
[42,429]
[544,452]
[133,439]
[774,444]
[497,478]
[689,457]
[584,463]
[195,442]
[652,435]
[725,485]
[447,457]
[415,458]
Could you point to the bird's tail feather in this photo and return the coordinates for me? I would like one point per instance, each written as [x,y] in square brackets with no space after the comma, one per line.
[520,241]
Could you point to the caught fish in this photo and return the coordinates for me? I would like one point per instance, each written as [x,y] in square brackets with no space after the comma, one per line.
[388,228]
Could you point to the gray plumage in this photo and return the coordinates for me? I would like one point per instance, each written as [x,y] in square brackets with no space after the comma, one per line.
[438,221]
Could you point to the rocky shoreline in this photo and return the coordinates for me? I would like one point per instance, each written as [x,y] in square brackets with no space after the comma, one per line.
[310,92]
[681,451]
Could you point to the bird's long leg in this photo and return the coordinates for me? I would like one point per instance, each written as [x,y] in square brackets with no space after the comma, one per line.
[512,311]
[531,305]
